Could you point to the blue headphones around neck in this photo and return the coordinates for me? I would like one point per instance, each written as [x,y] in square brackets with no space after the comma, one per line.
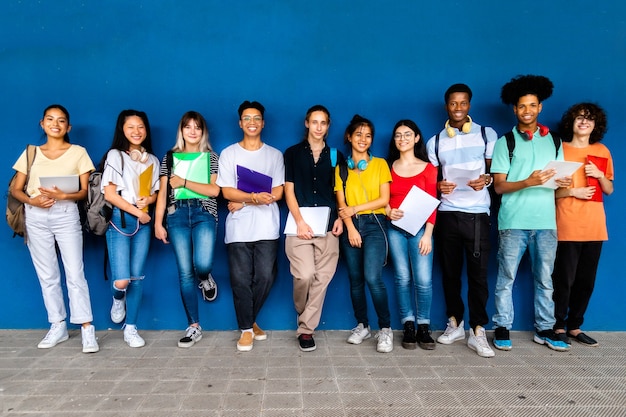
[361,165]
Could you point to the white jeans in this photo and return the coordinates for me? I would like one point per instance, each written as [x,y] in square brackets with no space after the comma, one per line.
[59,223]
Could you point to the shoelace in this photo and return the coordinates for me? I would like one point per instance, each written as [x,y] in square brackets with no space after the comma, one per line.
[207,284]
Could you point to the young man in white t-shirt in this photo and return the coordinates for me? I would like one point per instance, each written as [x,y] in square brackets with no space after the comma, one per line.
[252,225]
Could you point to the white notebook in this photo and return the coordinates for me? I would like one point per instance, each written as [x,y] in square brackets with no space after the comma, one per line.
[65,183]
[316,217]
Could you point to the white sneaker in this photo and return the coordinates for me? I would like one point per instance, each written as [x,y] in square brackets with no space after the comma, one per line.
[359,334]
[56,334]
[90,343]
[478,343]
[452,332]
[132,337]
[118,310]
[193,335]
[385,340]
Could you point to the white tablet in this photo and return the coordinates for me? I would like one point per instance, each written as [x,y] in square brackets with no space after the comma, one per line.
[65,183]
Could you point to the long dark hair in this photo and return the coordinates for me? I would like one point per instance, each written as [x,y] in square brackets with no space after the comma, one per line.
[419,148]
[119,139]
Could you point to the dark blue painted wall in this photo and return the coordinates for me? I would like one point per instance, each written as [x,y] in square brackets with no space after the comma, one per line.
[386,61]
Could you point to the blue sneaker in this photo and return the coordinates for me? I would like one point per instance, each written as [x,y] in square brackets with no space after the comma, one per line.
[502,340]
[550,339]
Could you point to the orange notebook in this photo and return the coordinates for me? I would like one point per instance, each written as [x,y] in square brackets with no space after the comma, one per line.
[601,163]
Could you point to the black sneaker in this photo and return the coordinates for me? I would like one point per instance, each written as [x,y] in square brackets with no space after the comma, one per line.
[307,344]
[408,340]
[562,337]
[208,288]
[423,337]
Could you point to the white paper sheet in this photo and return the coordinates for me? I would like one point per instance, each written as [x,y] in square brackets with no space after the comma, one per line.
[417,206]
[563,169]
[461,177]
[316,217]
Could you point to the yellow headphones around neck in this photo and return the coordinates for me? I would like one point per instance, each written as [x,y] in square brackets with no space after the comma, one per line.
[466,128]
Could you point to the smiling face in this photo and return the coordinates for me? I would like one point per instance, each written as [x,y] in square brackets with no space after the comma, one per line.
[317,124]
[192,133]
[135,131]
[458,107]
[405,139]
[251,122]
[361,140]
[583,124]
[55,123]
[527,110]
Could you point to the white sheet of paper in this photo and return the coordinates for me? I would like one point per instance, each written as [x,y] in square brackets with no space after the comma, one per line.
[461,176]
[417,206]
[316,217]
[563,169]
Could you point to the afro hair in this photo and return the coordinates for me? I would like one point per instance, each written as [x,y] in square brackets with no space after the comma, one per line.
[523,85]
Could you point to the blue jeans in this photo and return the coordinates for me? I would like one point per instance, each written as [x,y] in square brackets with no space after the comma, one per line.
[365,265]
[192,231]
[252,272]
[541,245]
[413,274]
[127,256]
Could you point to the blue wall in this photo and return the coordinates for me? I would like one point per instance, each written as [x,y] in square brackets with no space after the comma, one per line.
[386,61]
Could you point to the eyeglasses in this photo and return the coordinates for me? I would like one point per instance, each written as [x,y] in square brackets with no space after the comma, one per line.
[588,118]
[405,135]
[250,118]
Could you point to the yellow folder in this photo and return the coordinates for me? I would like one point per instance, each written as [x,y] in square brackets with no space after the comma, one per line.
[145,183]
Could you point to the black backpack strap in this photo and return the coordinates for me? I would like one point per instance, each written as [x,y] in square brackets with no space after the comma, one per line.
[557,143]
[510,144]
[439,169]
[483,132]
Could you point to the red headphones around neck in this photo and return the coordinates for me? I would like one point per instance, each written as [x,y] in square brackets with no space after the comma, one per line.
[528,135]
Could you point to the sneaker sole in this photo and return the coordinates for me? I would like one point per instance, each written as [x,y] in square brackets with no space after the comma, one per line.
[450,341]
[92,349]
[541,341]
[189,344]
[481,354]
[502,347]
[135,345]
[244,348]
[309,349]
[358,342]
[384,350]
[409,346]
[428,346]
[61,340]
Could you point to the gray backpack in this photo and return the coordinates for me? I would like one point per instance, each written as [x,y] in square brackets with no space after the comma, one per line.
[97,210]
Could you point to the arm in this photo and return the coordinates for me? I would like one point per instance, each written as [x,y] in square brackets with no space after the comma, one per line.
[56,194]
[381,201]
[303,229]
[17,191]
[426,242]
[591,170]
[538,177]
[354,237]
[209,190]
[111,195]
[159,213]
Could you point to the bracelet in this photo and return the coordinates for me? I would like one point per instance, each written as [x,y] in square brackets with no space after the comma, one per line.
[244,203]
[185,184]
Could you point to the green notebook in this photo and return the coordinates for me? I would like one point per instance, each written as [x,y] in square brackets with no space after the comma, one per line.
[194,167]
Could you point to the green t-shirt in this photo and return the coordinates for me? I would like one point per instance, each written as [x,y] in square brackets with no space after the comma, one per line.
[532,208]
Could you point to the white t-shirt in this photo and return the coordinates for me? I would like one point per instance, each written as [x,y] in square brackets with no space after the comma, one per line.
[252,223]
[127,179]
[464,152]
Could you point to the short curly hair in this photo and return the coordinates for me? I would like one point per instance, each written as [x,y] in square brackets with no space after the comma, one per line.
[588,110]
[523,85]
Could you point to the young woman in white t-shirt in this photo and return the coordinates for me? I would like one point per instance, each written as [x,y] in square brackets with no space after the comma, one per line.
[130,181]
[52,218]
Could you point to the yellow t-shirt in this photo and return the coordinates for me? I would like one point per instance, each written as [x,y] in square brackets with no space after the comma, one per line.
[75,161]
[364,186]
[582,220]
